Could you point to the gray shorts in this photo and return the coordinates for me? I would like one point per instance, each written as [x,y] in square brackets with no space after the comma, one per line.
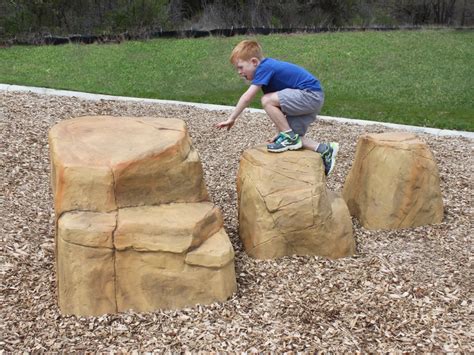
[300,107]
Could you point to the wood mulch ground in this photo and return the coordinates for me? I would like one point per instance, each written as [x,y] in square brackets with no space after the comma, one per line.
[405,290]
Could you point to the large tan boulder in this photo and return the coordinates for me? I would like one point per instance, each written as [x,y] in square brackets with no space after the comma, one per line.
[135,229]
[393,182]
[285,207]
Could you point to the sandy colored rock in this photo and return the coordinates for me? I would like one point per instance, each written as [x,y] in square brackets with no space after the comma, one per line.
[161,263]
[285,207]
[85,263]
[393,182]
[134,228]
[103,163]
[145,262]
[215,252]
[174,228]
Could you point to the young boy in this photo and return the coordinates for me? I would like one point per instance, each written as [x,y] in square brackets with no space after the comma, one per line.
[292,99]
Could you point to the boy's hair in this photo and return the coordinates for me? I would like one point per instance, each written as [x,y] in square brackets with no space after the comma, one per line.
[246,50]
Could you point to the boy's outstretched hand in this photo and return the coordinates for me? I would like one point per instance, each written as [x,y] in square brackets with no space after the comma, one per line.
[226,124]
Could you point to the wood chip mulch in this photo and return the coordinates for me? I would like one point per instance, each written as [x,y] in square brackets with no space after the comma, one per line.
[405,290]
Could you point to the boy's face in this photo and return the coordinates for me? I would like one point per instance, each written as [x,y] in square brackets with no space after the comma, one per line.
[246,68]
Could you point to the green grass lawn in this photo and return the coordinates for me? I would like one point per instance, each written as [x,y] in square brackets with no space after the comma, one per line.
[422,78]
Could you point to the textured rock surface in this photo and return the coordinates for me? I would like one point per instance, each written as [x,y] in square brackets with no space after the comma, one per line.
[85,263]
[285,207]
[393,183]
[104,163]
[134,228]
[163,251]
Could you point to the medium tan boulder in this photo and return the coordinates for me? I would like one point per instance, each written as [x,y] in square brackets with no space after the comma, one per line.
[285,207]
[135,229]
[393,183]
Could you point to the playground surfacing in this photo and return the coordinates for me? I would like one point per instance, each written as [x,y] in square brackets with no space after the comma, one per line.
[407,290]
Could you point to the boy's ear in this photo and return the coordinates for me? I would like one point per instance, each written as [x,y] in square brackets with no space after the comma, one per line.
[255,60]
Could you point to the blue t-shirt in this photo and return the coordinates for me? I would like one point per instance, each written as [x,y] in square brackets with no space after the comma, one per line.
[275,75]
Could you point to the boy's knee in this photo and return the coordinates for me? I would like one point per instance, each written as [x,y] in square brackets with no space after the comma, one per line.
[270,99]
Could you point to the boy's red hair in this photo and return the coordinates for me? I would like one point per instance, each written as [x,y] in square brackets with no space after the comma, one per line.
[246,50]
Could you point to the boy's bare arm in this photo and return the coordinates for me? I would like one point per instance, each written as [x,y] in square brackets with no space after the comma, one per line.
[244,102]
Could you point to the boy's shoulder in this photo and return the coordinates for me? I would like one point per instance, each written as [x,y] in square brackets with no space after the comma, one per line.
[276,63]
[267,61]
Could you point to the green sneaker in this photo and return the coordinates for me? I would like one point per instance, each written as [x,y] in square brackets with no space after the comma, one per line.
[329,157]
[284,142]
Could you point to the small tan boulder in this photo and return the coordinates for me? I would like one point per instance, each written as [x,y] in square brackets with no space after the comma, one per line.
[393,183]
[285,207]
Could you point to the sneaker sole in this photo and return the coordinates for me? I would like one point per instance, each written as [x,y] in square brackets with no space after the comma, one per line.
[284,149]
[335,150]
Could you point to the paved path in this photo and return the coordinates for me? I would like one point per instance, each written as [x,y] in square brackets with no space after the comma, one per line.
[87,96]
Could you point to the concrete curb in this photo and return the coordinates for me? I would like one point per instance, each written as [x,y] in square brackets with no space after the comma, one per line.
[97,97]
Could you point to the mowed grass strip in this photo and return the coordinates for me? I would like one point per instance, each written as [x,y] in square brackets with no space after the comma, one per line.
[422,78]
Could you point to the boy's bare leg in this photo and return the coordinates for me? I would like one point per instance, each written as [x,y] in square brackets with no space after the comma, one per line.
[271,105]
[309,143]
